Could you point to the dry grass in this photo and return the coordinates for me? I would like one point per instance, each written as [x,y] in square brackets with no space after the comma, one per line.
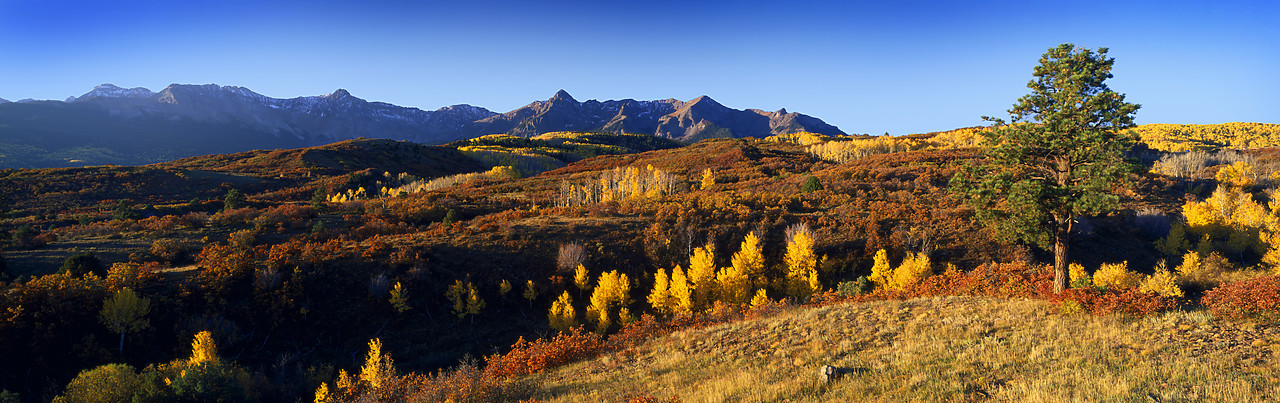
[942,349]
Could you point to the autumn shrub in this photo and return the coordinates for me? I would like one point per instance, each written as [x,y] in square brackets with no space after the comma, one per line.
[464,383]
[235,216]
[528,357]
[1116,276]
[1253,298]
[1113,301]
[172,251]
[1163,283]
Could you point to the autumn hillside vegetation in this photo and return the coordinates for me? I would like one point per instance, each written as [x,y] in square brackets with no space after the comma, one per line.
[583,264]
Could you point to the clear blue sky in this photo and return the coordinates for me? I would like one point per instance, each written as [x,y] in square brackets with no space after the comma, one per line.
[867,67]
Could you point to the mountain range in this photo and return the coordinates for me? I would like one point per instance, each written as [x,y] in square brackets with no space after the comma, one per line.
[114,125]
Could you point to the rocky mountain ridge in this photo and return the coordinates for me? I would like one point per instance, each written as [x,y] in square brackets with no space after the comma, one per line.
[111,124]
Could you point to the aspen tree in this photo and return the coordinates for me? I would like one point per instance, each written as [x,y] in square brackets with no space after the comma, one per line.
[530,293]
[660,297]
[708,178]
[203,351]
[702,277]
[681,294]
[124,312]
[378,368]
[612,290]
[562,316]
[750,261]
[802,264]
[881,271]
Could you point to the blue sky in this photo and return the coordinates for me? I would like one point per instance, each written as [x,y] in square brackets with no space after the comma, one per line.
[868,67]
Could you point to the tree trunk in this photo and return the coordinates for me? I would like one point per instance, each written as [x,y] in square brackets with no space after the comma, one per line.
[121,344]
[1060,245]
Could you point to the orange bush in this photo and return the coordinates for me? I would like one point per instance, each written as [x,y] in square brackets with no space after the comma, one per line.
[1253,298]
[528,357]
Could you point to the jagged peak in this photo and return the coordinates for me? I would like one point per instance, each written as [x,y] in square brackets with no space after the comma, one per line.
[563,95]
[340,94]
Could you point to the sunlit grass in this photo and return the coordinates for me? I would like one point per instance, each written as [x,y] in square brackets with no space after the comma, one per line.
[944,349]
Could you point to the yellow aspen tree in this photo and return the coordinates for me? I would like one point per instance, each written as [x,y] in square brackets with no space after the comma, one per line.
[399,298]
[761,298]
[466,301]
[734,285]
[681,294]
[660,297]
[750,261]
[1237,175]
[378,368]
[203,351]
[881,271]
[708,178]
[562,316]
[612,290]
[530,292]
[802,264]
[124,312]
[504,288]
[323,395]
[915,267]
[581,279]
[702,277]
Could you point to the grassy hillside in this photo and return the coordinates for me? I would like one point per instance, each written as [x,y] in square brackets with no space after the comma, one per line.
[936,349]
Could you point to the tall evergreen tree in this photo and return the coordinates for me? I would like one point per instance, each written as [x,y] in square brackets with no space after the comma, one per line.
[1059,157]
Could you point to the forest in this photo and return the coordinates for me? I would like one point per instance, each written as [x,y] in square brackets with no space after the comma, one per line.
[375,270]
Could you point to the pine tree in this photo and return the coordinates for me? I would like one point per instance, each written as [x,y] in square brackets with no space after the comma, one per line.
[124,312]
[1060,157]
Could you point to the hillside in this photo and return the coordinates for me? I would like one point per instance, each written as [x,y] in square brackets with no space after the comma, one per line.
[294,282]
[935,350]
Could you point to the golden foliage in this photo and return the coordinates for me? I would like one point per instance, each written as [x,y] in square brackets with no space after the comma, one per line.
[660,297]
[203,351]
[800,138]
[760,299]
[881,271]
[681,293]
[466,301]
[613,290]
[581,279]
[618,184]
[562,315]
[1237,175]
[708,179]
[702,277]
[1237,135]
[849,150]
[801,263]
[530,292]
[733,285]
[504,287]
[915,267]
[1116,276]
[1080,277]
[1162,283]
[378,368]
[399,300]
[750,261]
[125,312]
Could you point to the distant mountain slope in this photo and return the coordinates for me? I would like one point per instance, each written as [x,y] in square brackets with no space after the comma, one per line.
[697,119]
[114,125]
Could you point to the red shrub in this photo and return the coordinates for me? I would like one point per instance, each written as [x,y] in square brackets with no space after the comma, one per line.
[531,357]
[1129,302]
[1254,298]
